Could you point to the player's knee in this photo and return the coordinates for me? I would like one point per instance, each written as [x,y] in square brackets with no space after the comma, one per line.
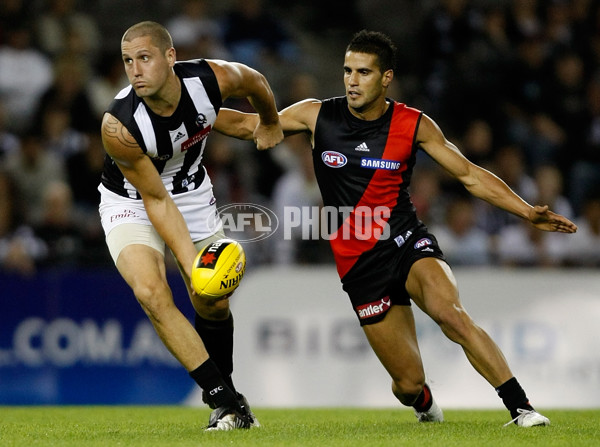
[153,297]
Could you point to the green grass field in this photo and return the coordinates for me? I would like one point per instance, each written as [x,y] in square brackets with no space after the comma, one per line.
[182,426]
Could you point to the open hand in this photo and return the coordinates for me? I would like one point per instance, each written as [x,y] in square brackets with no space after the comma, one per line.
[544,219]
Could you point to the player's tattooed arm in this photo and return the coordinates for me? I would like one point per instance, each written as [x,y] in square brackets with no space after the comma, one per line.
[120,144]
[135,165]
[112,128]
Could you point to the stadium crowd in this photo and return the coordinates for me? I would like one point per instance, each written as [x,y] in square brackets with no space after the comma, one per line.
[515,84]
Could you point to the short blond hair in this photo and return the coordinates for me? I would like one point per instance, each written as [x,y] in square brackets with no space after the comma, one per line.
[158,33]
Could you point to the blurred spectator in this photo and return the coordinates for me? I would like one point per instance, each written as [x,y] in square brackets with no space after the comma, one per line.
[239,172]
[524,19]
[444,37]
[521,244]
[58,227]
[462,242]
[84,169]
[195,33]
[327,18]
[59,137]
[257,171]
[566,105]
[300,86]
[9,142]
[24,75]
[296,193]
[559,27]
[478,142]
[584,246]
[257,38]
[19,248]
[233,173]
[221,159]
[528,122]
[527,76]
[297,188]
[61,28]
[550,190]
[590,38]
[271,165]
[509,165]
[107,80]
[68,91]
[427,196]
[13,12]
[480,75]
[584,175]
[33,168]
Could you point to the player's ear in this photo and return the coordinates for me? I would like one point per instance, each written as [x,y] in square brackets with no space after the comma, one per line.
[171,56]
[388,77]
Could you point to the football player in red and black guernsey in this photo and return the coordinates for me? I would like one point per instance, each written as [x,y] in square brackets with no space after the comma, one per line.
[364,151]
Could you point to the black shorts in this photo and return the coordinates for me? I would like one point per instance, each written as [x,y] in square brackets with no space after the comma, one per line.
[377,280]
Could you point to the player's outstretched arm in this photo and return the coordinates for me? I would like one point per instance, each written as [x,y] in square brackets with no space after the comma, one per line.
[297,118]
[236,124]
[484,184]
[240,81]
[300,117]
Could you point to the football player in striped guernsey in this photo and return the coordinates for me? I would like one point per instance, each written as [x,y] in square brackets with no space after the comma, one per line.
[156,192]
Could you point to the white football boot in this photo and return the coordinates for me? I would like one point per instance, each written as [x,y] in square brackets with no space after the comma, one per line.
[529,418]
[434,414]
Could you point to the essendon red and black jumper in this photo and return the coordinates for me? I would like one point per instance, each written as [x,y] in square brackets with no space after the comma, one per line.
[364,169]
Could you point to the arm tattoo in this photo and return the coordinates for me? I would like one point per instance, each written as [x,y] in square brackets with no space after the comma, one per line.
[122,135]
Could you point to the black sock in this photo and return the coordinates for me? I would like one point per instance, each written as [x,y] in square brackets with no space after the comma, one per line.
[513,396]
[424,400]
[208,377]
[217,336]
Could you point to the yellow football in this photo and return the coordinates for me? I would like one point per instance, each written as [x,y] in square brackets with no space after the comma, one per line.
[218,268]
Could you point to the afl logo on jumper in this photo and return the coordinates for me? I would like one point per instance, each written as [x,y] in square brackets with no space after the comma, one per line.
[334,159]
[423,243]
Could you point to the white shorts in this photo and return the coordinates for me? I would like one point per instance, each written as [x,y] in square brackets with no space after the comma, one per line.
[197,207]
